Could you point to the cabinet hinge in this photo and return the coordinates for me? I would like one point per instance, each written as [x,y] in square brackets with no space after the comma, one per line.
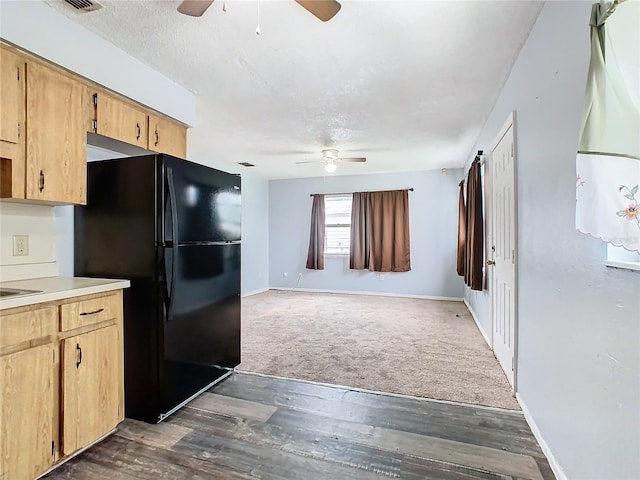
[95,99]
[19,130]
[18,72]
[94,125]
[53,448]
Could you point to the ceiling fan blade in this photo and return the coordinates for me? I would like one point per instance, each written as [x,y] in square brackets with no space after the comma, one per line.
[354,160]
[322,9]
[310,161]
[194,8]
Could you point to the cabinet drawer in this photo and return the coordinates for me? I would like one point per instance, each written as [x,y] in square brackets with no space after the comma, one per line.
[90,311]
[27,326]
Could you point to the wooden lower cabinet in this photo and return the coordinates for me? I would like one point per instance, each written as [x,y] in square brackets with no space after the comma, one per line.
[90,382]
[61,389]
[28,412]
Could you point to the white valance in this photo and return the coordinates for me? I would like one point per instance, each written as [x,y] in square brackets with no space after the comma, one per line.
[608,158]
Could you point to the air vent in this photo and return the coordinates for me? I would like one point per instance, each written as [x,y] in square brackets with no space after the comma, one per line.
[246,164]
[84,5]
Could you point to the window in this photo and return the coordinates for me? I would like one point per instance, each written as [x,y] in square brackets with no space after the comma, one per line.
[337,216]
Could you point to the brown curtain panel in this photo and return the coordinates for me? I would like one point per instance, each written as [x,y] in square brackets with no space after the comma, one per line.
[315,257]
[475,235]
[359,249]
[462,231]
[389,231]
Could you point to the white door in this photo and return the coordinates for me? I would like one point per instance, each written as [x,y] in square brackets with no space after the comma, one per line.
[502,254]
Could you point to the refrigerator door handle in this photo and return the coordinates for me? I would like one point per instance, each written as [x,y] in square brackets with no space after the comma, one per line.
[172,205]
[169,295]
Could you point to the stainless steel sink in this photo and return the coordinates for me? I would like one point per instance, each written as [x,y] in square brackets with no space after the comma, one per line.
[10,292]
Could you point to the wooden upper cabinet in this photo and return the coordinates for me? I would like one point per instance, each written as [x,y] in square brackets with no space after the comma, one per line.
[56,156]
[166,136]
[91,382]
[116,118]
[12,120]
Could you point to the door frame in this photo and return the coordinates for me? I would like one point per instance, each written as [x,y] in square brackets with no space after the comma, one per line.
[509,123]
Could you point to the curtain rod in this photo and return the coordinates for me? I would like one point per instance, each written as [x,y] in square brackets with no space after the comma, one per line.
[348,193]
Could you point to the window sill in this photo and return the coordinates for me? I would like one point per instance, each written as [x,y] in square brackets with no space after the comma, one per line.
[626,265]
[334,254]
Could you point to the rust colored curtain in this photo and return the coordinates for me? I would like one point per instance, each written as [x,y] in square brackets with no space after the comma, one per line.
[360,237]
[462,232]
[474,261]
[315,257]
[389,231]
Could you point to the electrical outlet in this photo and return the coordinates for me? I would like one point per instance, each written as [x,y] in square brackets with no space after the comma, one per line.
[20,245]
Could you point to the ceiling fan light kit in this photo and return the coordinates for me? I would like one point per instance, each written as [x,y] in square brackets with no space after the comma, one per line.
[330,167]
[330,158]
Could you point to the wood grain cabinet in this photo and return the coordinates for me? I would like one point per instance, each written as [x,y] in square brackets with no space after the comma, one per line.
[12,121]
[166,136]
[56,157]
[116,118]
[62,379]
[28,406]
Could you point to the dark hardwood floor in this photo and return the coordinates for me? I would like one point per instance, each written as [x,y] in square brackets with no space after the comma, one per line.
[254,427]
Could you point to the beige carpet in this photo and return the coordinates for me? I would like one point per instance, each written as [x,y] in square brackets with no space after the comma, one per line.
[426,348]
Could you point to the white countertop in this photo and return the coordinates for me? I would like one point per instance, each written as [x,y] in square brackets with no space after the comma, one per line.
[57,288]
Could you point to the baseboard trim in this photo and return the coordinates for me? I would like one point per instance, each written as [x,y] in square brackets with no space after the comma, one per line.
[475,319]
[375,294]
[558,471]
[255,292]
[376,392]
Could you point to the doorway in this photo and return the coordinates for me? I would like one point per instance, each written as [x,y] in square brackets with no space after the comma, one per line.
[502,252]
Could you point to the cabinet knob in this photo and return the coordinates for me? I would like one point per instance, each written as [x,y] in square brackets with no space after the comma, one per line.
[157,138]
[41,185]
[138,129]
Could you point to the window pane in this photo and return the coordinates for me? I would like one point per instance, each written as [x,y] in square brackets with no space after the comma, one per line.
[337,240]
[337,223]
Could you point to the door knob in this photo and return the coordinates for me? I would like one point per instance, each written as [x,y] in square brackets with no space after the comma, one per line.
[490,262]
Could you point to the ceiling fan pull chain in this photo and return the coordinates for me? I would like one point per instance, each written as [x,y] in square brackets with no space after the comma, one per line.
[258,32]
[224,6]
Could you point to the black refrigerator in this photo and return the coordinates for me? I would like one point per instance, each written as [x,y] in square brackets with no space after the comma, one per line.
[173,228]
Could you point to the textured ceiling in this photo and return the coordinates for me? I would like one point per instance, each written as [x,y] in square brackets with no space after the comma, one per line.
[408,84]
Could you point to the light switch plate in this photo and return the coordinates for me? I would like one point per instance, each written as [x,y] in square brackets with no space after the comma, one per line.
[20,245]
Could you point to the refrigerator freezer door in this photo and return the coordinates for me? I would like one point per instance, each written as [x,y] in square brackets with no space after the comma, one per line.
[201,316]
[201,205]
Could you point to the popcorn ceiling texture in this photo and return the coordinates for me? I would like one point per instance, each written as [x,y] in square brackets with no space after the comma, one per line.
[407,84]
[426,348]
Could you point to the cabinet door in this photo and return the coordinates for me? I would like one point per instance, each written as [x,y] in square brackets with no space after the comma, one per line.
[166,136]
[27,412]
[120,120]
[56,137]
[91,382]
[12,108]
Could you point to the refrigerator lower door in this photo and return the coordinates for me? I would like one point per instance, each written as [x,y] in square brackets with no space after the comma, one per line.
[201,327]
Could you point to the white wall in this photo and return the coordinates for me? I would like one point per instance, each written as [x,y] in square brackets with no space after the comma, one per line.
[433,229]
[255,234]
[37,222]
[38,28]
[579,335]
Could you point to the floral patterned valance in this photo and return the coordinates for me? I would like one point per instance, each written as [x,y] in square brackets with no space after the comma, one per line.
[608,158]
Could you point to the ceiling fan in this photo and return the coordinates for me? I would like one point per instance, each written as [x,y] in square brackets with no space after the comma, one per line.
[322,9]
[330,158]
